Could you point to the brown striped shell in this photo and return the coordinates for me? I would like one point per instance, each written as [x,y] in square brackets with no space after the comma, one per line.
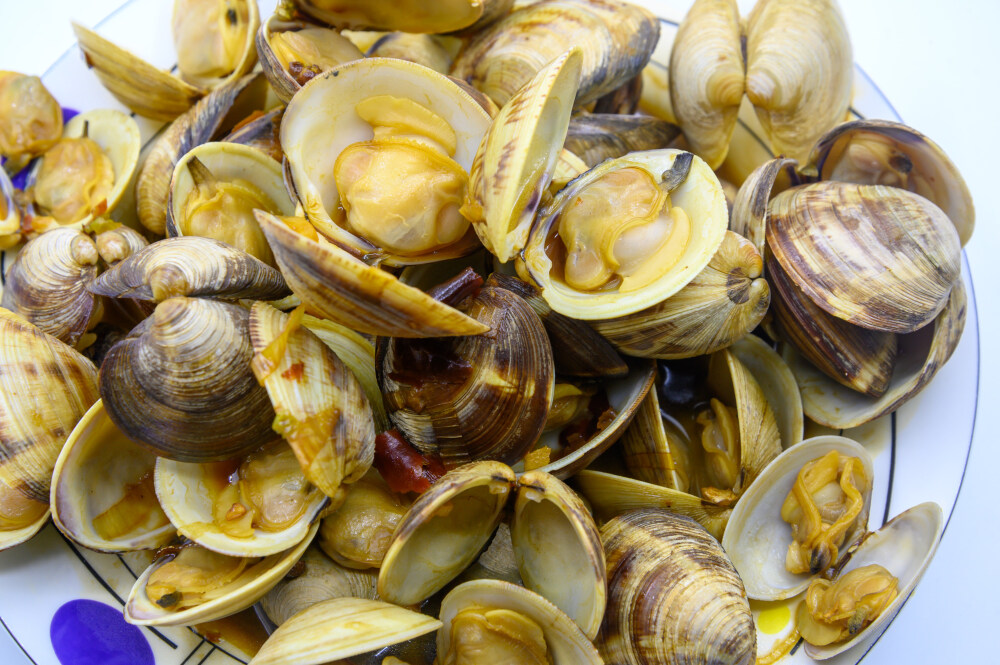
[495,406]
[674,595]
[180,384]
[47,283]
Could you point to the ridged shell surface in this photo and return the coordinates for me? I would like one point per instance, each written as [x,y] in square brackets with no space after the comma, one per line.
[674,596]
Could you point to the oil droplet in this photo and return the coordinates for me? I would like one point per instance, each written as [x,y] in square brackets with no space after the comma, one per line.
[773,620]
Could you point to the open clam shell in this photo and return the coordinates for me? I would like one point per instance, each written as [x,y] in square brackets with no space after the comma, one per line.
[230,165]
[117,135]
[313,140]
[564,641]
[47,283]
[721,304]
[921,355]
[447,16]
[322,410]
[699,195]
[756,537]
[516,160]
[210,119]
[121,512]
[444,530]
[904,546]
[238,594]
[881,152]
[334,284]
[778,384]
[323,43]
[340,628]
[190,266]
[188,494]
[595,137]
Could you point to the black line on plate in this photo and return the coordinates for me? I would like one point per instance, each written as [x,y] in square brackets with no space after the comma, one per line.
[233,656]
[19,645]
[669,22]
[892,468]
[173,69]
[127,567]
[193,651]
[975,413]
[107,587]
[211,651]
[795,648]
[856,112]
[878,91]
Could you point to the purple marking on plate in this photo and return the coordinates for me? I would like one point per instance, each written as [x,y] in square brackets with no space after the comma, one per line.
[20,180]
[88,632]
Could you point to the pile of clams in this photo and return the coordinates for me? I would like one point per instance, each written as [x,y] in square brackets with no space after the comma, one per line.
[426,342]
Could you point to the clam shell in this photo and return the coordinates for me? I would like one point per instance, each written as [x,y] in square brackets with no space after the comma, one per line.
[334,284]
[498,410]
[283,84]
[565,642]
[617,39]
[46,387]
[800,71]
[341,628]
[190,266]
[443,16]
[119,243]
[878,257]
[558,549]
[777,382]
[322,579]
[707,75]
[10,221]
[721,304]
[96,449]
[47,283]
[245,591]
[228,162]
[432,51]
[756,537]
[180,384]
[444,530]
[749,213]
[599,136]
[921,355]
[675,597]
[881,152]
[11,537]
[322,410]
[212,117]
[313,140]
[516,160]
[700,196]
[904,546]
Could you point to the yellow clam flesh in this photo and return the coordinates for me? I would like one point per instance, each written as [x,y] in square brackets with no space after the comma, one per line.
[358,533]
[31,119]
[409,16]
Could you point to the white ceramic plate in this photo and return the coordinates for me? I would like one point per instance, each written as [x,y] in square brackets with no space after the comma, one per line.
[74,613]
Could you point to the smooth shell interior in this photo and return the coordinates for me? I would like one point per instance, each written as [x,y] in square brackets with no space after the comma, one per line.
[756,538]
[700,196]
[904,546]
[777,382]
[141,611]
[94,471]
[186,494]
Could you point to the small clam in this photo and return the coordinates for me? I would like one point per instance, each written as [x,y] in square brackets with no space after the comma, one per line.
[503,623]
[180,384]
[47,283]
[216,187]
[190,584]
[120,511]
[674,595]
[190,266]
[762,544]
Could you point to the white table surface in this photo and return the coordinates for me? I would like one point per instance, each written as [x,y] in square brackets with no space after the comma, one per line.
[937,63]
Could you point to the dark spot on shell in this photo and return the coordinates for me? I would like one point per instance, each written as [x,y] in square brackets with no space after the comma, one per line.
[900,162]
[736,286]
[231,16]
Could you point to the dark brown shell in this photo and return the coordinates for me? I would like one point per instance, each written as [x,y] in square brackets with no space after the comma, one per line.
[494,401]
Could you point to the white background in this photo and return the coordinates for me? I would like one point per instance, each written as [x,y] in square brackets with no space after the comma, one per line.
[937,62]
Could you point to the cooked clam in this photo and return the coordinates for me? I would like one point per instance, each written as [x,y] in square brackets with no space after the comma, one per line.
[595,137]
[409,16]
[358,533]
[31,120]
